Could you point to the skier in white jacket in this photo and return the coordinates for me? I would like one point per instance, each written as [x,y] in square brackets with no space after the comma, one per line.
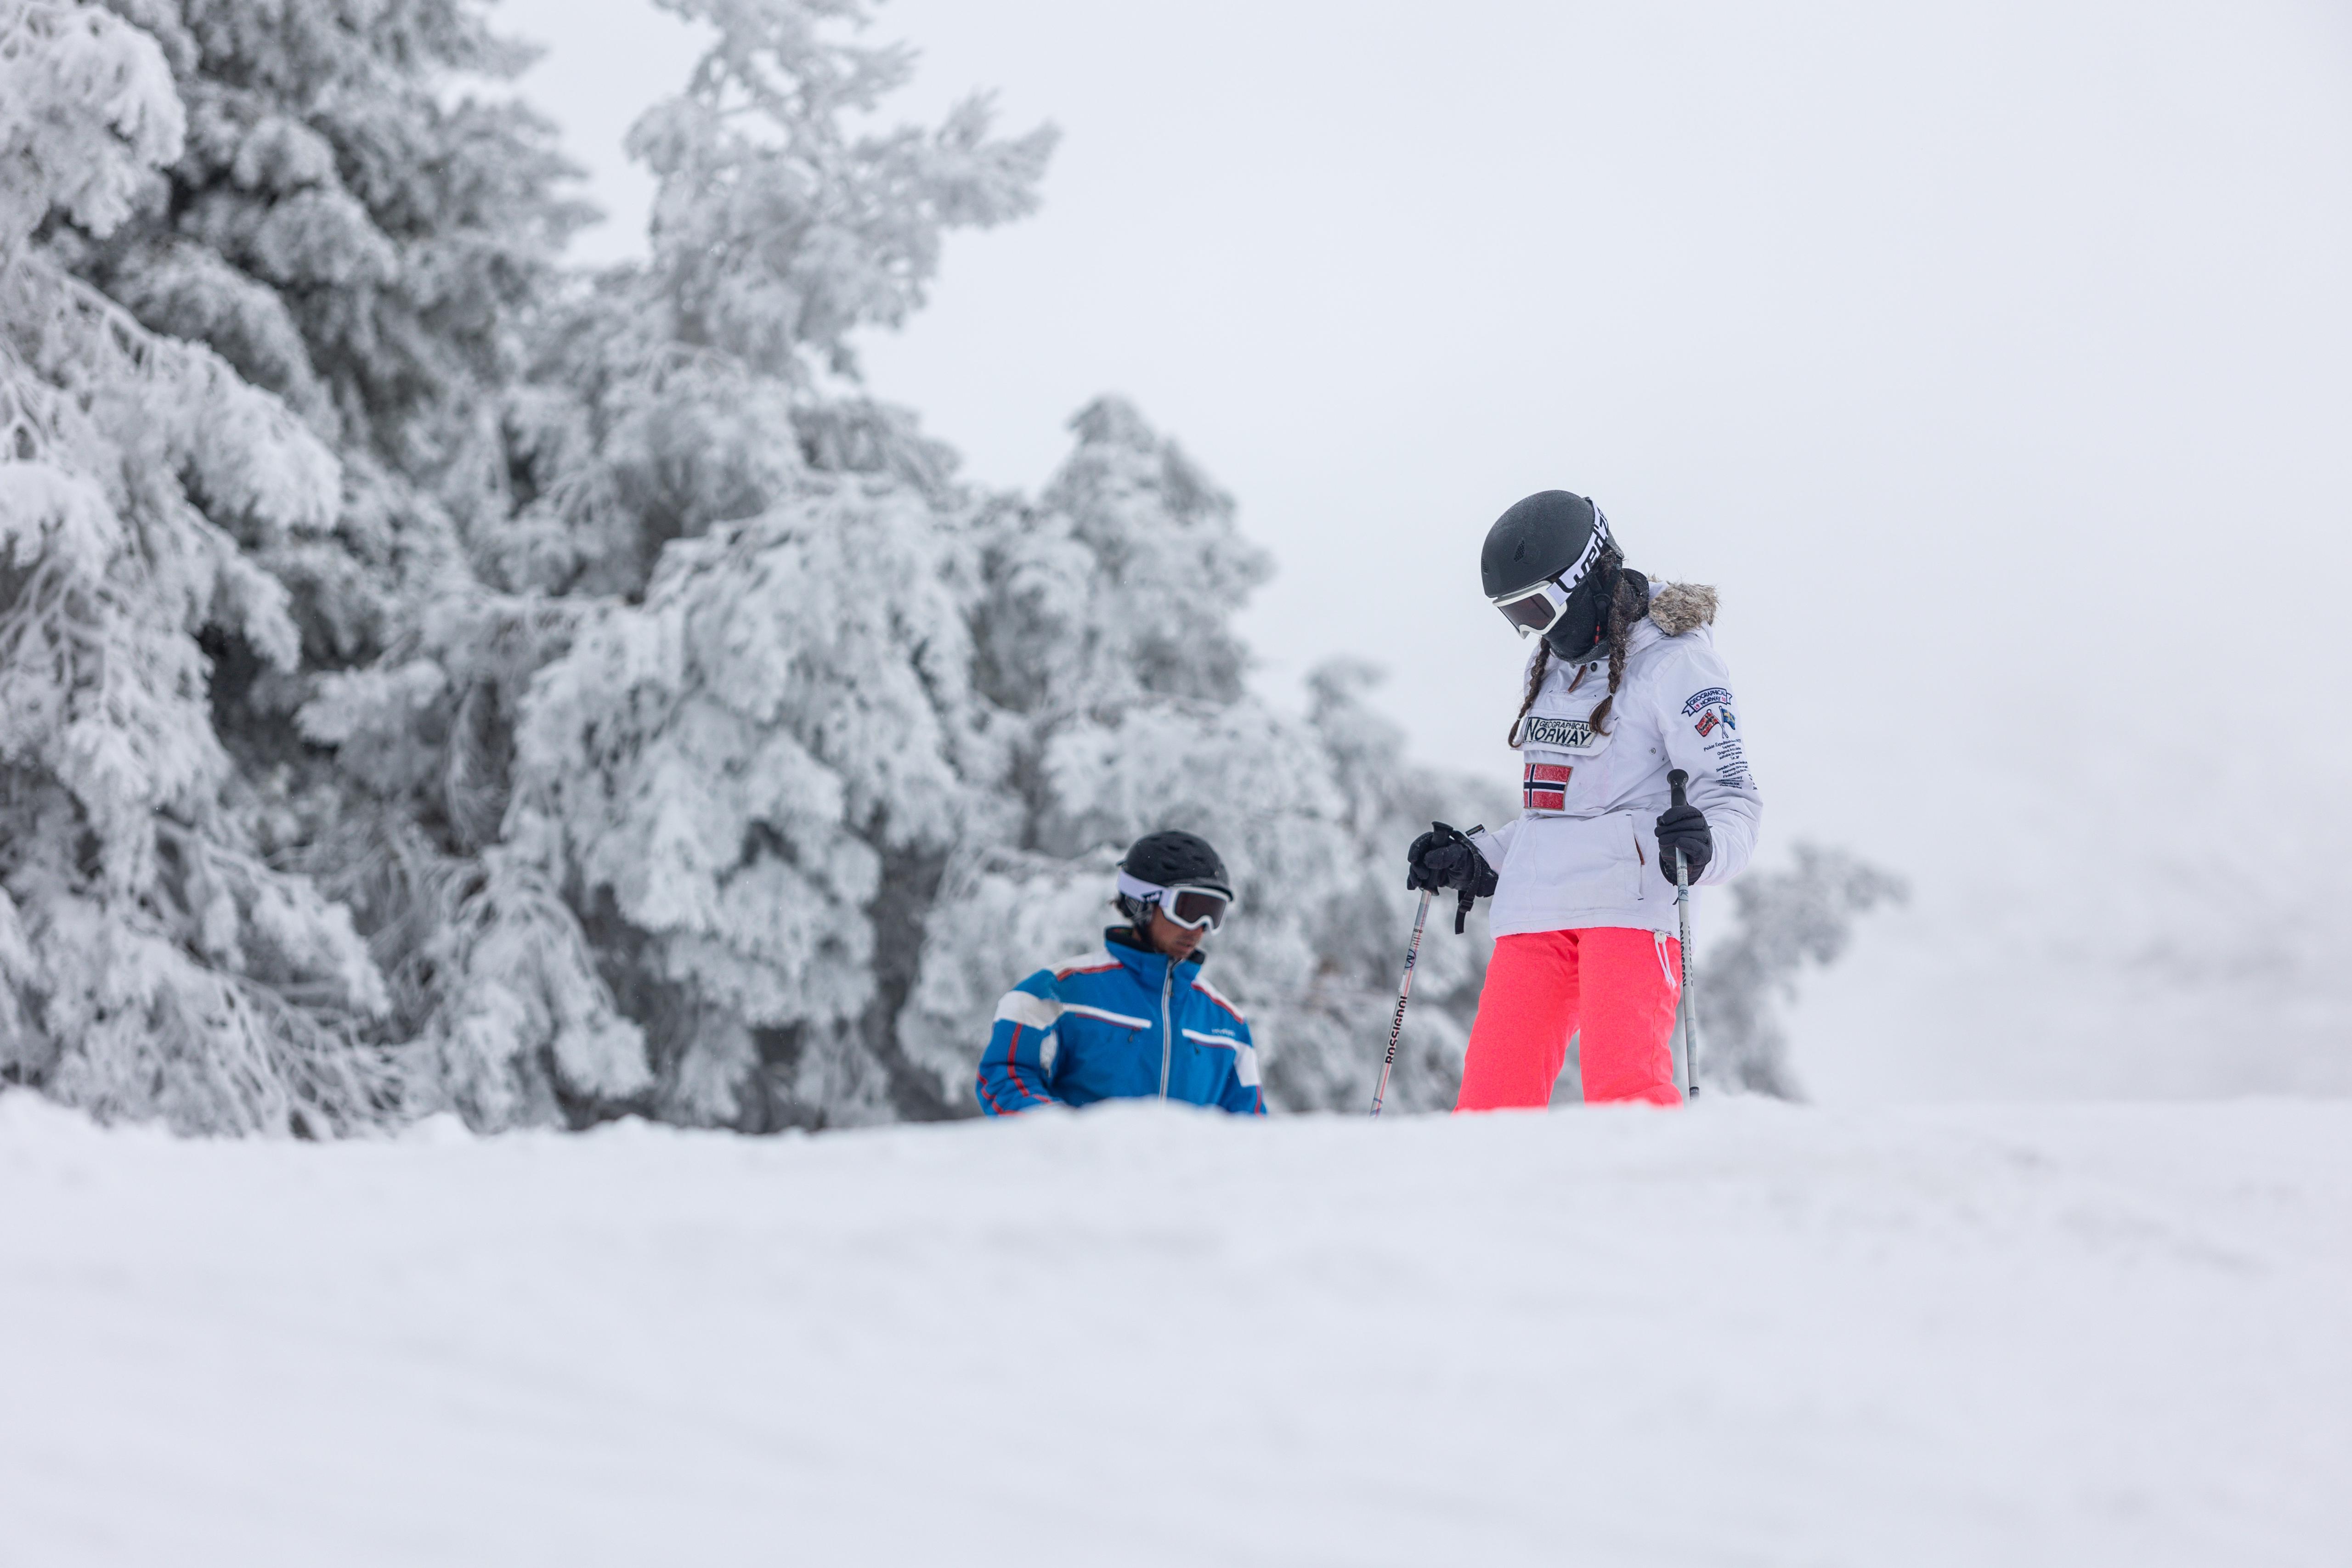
[1624,687]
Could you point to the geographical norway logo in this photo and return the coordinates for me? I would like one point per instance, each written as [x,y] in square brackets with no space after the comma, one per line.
[1546,789]
[1564,734]
[1714,696]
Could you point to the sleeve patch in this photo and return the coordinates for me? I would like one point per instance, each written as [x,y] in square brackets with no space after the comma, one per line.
[1028,1009]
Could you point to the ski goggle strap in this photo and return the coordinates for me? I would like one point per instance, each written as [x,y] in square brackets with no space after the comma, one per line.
[1191,905]
[1540,608]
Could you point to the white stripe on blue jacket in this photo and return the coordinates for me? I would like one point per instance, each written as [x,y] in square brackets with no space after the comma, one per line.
[1114,1024]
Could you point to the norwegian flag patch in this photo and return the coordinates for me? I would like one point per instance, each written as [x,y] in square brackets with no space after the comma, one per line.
[1546,789]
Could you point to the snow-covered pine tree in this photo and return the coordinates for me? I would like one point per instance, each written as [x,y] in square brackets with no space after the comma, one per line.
[704,385]
[353,231]
[151,962]
[353,225]
[751,780]
[737,772]
[496,989]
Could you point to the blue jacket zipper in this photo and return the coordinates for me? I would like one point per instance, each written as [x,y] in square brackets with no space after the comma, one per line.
[1167,1028]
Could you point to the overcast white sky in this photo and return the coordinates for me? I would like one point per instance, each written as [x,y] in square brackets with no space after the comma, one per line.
[1994,358]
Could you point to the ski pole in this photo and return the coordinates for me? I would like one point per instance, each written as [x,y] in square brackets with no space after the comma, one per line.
[1405,993]
[1686,1005]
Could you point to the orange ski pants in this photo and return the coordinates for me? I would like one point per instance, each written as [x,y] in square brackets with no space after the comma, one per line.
[1617,986]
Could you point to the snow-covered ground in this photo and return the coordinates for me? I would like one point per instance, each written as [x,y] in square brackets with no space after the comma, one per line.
[1750,1335]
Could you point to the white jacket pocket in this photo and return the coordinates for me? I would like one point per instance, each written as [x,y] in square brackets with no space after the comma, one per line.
[1585,863]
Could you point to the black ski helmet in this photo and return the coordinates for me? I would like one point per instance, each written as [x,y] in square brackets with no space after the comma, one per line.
[1173,856]
[1544,568]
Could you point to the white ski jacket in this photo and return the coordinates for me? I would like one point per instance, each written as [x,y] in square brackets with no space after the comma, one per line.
[1584,850]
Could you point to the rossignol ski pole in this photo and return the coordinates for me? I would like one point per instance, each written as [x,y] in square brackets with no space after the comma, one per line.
[1405,993]
[1444,834]
[1686,1005]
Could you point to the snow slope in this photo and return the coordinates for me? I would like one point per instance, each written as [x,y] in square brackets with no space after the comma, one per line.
[1750,1335]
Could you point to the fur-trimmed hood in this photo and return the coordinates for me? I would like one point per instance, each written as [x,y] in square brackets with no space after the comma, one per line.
[1679,607]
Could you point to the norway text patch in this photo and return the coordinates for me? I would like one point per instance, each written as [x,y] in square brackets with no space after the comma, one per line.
[1565,734]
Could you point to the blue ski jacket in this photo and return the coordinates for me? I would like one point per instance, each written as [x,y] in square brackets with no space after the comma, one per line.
[1120,1022]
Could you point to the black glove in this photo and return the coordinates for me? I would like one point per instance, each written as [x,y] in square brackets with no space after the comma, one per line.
[1438,860]
[1684,828]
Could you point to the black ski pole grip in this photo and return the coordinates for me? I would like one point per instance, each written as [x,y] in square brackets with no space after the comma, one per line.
[1674,781]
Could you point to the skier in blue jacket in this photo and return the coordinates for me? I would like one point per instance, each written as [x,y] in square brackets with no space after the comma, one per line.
[1133,1020]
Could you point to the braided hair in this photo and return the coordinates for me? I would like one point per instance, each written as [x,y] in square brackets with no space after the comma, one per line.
[1535,672]
[1629,601]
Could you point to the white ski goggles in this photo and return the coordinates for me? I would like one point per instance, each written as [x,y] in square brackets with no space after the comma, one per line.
[1192,905]
[1536,610]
